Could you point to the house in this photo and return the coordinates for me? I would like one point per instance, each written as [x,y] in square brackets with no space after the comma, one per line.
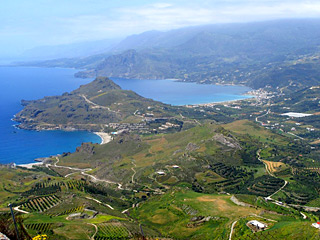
[316,225]
[257,224]
[161,173]
[175,166]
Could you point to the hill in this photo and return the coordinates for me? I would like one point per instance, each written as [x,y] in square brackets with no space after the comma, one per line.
[103,106]
[254,54]
[174,186]
[89,107]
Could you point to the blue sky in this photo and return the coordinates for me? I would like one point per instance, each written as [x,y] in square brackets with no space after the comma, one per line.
[28,23]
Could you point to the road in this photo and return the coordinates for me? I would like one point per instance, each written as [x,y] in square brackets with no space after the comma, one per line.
[83,172]
[96,230]
[284,185]
[266,166]
[262,116]
[96,105]
[19,210]
[231,232]
[134,172]
[295,135]
[96,200]
[271,174]
[303,215]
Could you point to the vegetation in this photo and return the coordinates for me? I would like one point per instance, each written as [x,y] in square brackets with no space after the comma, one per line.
[172,172]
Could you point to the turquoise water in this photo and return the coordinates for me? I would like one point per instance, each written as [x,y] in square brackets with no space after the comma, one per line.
[16,83]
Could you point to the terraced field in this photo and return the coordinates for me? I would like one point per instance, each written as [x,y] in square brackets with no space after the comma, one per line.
[266,185]
[41,204]
[231,177]
[112,230]
[39,227]
[275,166]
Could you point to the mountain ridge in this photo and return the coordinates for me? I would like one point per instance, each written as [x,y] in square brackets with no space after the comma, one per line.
[240,53]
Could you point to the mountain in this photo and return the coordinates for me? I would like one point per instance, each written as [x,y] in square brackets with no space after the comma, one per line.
[74,50]
[103,106]
[91,106]
[254,54]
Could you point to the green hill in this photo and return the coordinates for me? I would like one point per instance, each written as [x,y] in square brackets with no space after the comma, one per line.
[92,106]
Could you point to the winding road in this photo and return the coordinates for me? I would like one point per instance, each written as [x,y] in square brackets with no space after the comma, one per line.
[96,230]
[134,172]
[96,105]
[83,172]
[96,200]
[231,232]
[272,175]
[257,118]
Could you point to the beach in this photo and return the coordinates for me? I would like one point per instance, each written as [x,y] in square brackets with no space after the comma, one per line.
[30,165]
[105,137]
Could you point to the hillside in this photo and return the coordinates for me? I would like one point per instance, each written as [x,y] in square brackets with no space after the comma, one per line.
[91,106]
[196,172]
[254,54]
[172,186]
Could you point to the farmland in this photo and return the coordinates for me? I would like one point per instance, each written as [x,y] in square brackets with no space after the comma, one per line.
[196,183]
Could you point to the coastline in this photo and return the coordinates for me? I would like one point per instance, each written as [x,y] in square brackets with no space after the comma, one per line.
[105,137]
[30,165]
[222,102]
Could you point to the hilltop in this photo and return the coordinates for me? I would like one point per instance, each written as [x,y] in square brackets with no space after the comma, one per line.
[90,107]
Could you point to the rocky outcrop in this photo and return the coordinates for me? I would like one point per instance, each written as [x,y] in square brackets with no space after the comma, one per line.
[192,147]
[86,148]
[227,141]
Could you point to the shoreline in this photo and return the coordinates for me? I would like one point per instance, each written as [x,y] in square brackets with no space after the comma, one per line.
[221,102]
[105,137]
[30,165]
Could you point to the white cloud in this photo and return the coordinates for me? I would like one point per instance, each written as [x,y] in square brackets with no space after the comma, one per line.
[102,20]
[165,16]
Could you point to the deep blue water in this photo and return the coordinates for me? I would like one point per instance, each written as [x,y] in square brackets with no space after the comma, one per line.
[22,146]
[16,83]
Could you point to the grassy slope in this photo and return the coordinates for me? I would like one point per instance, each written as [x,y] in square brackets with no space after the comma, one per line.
[167,214]
[151,153]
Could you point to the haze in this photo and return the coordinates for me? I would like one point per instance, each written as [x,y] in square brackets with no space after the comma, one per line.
[28,24]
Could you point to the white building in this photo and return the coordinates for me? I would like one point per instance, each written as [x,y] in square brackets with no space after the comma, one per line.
[316,225]
[257,224]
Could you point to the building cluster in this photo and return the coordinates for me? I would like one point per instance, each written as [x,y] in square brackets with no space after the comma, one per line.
[129,127]
[168,125]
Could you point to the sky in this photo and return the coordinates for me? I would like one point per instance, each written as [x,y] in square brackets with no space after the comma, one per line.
[25,24]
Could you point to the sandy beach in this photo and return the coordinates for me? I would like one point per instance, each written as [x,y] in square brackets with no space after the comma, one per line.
[105,137]
[30,165]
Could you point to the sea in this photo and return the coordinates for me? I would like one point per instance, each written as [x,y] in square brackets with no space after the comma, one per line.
[17,83]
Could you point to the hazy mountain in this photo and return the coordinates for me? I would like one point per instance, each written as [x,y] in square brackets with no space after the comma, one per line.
[222,53]
[81,49]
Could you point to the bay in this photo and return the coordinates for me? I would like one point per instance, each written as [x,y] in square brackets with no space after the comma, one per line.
[17,83]
[183,93]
